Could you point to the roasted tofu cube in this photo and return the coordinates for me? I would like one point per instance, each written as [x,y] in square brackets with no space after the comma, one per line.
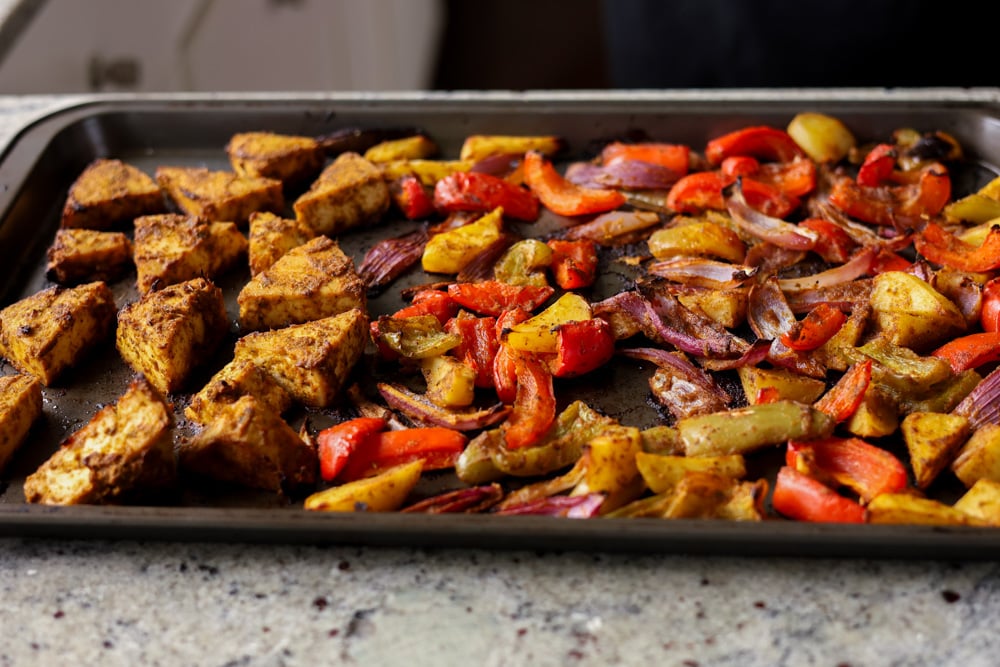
[240,377]
[124,452]
[20,406]
[220,196]
[308,283]
[247,443]
[109,192]
[287,158]
[47,332]
[168,333]
[86,255]
[310,361]
[173,248]
[348,193]
[272,236]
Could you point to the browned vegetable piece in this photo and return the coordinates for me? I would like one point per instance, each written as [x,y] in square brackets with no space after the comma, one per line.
[109,192]
[47,332]
[932,440]
[220,196]
[787,384]
[166,334]
[348,193]
[271,236]
[876,416]
[246,443]
[86,255]
[173,248]
[239,377]
[979,457]
[20,406]
[385,492]
[905,508]
[908,312]
[704,495]
[746,429]
[126,450]
[663,472]
[982,501]
[609,464]
[310,282]
[284,157]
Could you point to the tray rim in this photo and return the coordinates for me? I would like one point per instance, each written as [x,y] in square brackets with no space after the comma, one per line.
[296,525]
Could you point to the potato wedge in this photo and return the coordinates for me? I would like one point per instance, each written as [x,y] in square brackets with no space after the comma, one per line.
[911,313]
[789,385]
[385,492]
[905,508]
[479,146]
[610,468]
[663,472]
[932,440]
[979,457]
[417,147]
[982,501]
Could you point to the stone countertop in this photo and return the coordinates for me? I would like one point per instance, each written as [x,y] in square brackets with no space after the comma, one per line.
[138,603]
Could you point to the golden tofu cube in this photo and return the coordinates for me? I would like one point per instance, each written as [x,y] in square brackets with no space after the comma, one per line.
[284,157]
[220,196]
[308,283]
[168,333]
[126,450]
[46,333]
[348,193]
[272,236]
[20,406]
[109,192]
[310,361]
[173,248]
[239,377]
[247,443]
[84,255]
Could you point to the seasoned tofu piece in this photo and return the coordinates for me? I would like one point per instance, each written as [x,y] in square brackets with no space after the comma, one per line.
[86,255]
[168,333]
[47,332]
[173,248]
[240,377]
[247,443]
[272,236]
[125,450]
[350,192]
[20,406]
[308,283]
[220,196]
[287,158]
[310,361]
[108,192]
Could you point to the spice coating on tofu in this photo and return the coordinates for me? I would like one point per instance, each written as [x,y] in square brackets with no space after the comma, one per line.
[20,406]
[86,255]
[240,377]
[126,448]
[47,332]
[310,361]
[109,192]
[271,236]
[310,282]
[349,192]
[168,333]
[172,248]
[287,158]
[220,196]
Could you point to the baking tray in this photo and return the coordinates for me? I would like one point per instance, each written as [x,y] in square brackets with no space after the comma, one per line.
[49,153]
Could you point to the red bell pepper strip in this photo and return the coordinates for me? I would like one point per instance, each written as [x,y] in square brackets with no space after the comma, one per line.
[339,442]
[675,157]
[767,395]
[504,367]
[739,165]
[703,190]
[574,263]
[430,302]
[803,498]
[865,469]
[878,166]
[762,142]
[493,297]
[885,204]
[970,351]
[817,327]
[562,197]
[795,178]
[989,316]
[941,247]
[534,403]
[887,260]
[834,244]
[436,446]
[412,197]
[582,347]
[476,191]
[843,399]
[479,345]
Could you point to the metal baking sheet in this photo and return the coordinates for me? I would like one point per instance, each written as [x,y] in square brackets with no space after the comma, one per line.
[148,131]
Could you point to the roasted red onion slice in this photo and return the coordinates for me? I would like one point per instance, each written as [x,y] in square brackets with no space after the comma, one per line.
[770,316]
[855,267]
[389,259]
[764,227]
[498,165]
[421,409]
[844,296]
[630,174]
[572,507]
[982,405]
[470,500]
[680,386]
[702,272]
[606,227]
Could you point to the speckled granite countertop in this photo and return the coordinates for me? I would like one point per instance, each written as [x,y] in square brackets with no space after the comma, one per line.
[129,603]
